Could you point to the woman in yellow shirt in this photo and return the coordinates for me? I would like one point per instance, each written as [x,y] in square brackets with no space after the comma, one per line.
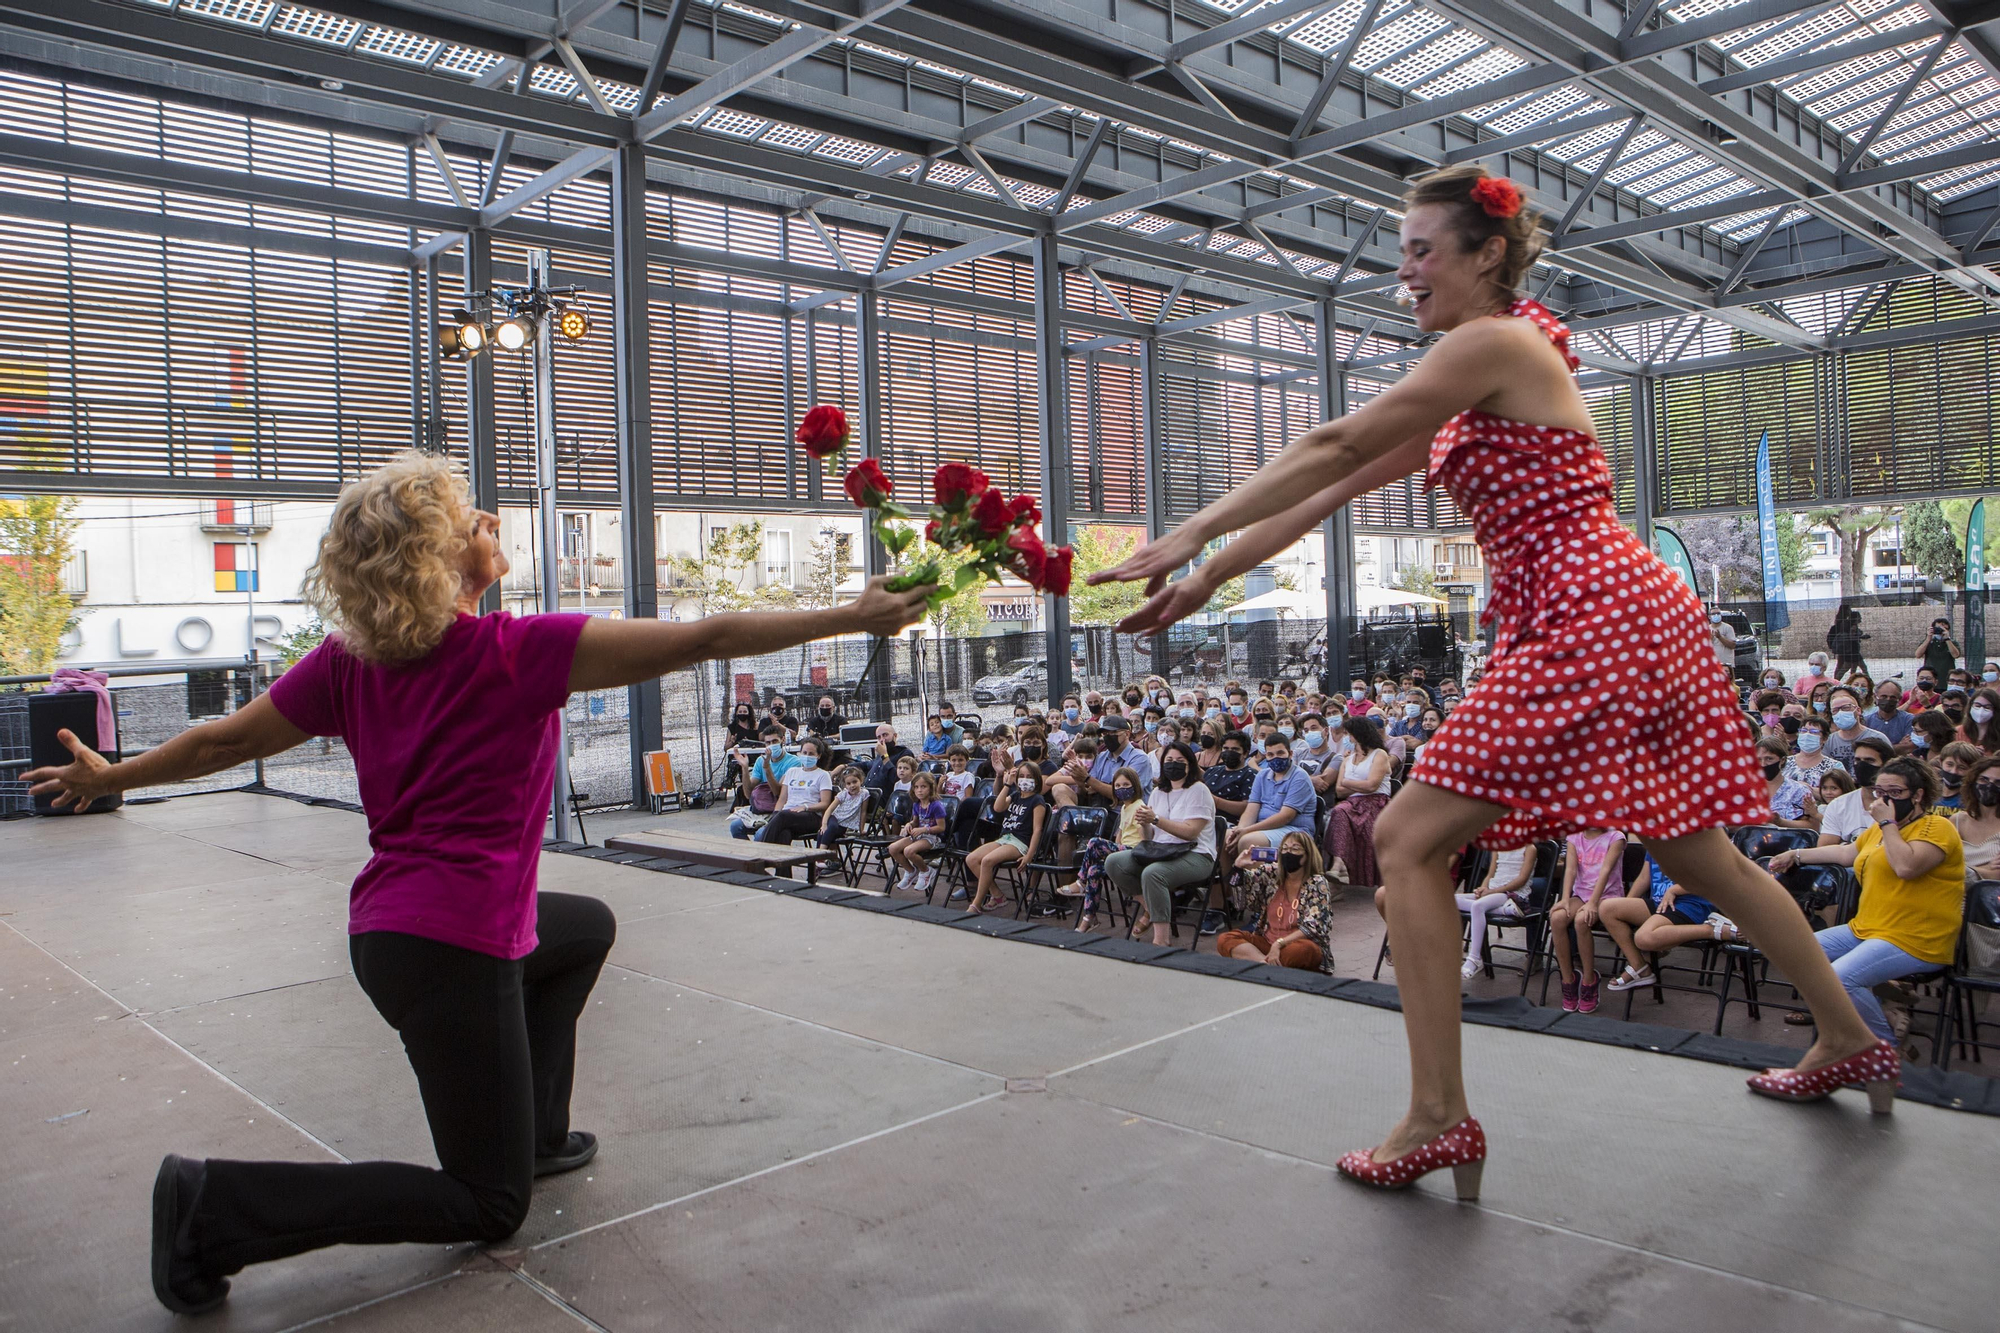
[1911,865]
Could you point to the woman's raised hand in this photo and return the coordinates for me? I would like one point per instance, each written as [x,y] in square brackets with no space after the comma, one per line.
[1174,602]
[887,614]
[1154,561]
[76,786]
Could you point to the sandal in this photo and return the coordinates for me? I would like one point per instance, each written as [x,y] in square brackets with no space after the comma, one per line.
[1086,923]
[1143,923]
[1630,979]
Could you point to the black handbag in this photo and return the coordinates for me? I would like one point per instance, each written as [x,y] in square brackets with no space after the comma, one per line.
[1152,849]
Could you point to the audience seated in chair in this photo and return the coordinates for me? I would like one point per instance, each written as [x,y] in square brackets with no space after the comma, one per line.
[1590,878]
[846,812]
[1022,811]
[763,784]
[1288,911]
[1657,916]
[808,794]
[1911,864]
[1362,790]
[1501,896]
[958,781]
[1178,850]
[1091,880]
[1281,799]
[1978,820]
[919,839]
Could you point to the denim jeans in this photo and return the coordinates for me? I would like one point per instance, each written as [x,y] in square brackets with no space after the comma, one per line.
[1862,965]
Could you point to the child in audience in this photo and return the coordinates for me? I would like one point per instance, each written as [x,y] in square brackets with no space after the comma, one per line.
[1126,832]
[923,835]
[1589,871]
[1666,916]
[1021,809]
[958,782]
[906,769]
[937,741]
[1501,896]
[850,800]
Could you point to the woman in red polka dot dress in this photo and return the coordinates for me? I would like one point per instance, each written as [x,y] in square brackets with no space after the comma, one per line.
[1603,707]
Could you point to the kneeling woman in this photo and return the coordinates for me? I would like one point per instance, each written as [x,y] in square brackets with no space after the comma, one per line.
[451,717]
[1289,910]
[1911,864]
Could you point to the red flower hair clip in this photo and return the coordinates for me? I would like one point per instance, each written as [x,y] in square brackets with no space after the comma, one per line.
[1500,197]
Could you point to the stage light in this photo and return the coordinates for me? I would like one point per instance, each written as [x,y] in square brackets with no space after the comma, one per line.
[513,334]
[471,337]
[574,324]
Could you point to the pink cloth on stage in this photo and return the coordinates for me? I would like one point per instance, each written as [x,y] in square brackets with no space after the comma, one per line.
[75,680]
[455,755]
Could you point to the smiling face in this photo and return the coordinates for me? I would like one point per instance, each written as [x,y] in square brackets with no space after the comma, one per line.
[1448,283]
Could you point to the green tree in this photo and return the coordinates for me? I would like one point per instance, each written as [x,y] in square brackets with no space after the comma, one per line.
[961,615]
[36,540]
[1099,547]
[1930,544]
[301,641]
[1851,526]
[1418,579]
[723,577]
[831,558]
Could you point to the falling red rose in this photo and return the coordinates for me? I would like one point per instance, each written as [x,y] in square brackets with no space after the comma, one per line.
[992,513]
[1055,573]
[1029,557]
[1024,511]
[823,432]
[867,485]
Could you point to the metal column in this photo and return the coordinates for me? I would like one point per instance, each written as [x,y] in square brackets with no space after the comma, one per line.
[630,331]
[1645,473]
[551,522]
[1052,418]
[1337,533]
[874,558]
[481,450]
[1152,428]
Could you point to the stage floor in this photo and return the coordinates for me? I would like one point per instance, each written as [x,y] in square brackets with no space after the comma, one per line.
[826,1119]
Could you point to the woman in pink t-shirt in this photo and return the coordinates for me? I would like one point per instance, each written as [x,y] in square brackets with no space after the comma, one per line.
[452,720]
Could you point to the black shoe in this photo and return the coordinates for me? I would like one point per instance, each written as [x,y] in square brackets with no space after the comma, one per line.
[1212,922]
[577,1149]
[181,1286]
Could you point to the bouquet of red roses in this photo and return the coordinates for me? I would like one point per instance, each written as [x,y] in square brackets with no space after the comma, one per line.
[966,514]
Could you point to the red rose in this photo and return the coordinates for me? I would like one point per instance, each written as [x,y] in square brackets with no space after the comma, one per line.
[931,532]
[1055,574]
[867,485]
[1023,511]
[824,431]
[1498,196]
[956,484]
[1028,557]
[992,513]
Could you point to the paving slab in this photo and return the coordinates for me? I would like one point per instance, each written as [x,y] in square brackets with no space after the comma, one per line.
[39,994]
[182,814]
[471,1302]
[1579,1135]
[1071,1217]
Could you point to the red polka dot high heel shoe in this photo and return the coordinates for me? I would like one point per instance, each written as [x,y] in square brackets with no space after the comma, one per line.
[1462,1148]
[1879,1069]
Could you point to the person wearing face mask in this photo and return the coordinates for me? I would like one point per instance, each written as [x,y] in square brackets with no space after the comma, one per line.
[1034,748]
[1988,674]
[780,712]
[1772,679]
[1929,734]
[1281,798]
[1814,675]
[1952,705]
[1953,762]
[1360,698]
[763,783]
[808,793]
[1793,804]
[1911,865]
[1178,850]
[1982,720]
[827,719]
[1890,717]
[1978,819]
[743,745]
[1362,791]
[1939,652]
[948,715]
[1925,695]
[1843,820]
[1287,910]
[1127,831]
[1022,810]
[1405,715]
[1311,747]
[1093,703]
[1812,761]
[1847,725]
[1134,697]
[1231,777]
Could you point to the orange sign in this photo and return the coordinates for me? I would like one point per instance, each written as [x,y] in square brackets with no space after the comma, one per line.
[659,773]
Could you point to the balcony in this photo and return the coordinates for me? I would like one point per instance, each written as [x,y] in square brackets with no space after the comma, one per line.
[235,516]
[1451,574]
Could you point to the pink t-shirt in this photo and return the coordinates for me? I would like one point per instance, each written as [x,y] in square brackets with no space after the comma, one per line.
[1590,852]
[456,759]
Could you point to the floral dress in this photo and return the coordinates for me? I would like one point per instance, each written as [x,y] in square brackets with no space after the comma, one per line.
[1253,899]
[1603,706]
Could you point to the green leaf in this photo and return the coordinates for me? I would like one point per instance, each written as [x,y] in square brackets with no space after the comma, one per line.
[966,578]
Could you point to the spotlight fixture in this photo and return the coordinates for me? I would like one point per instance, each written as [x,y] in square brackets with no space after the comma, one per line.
[513,334]
[1718,134]
[573,324]
[471,336]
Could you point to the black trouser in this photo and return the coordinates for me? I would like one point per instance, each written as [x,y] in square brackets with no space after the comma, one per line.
[493,1045]
[785,825]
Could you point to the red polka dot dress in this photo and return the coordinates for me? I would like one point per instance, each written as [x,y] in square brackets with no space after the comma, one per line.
[1603,705]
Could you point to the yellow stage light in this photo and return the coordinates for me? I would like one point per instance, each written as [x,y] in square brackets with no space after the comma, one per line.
[574,324]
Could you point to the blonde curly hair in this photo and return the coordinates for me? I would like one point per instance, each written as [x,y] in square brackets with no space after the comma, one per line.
[387,574]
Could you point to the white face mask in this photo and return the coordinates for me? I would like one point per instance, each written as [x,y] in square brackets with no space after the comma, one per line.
[1989,676]
[1815,670]
[1980,714]
[1316,739]
[1358,693]
[1026,786]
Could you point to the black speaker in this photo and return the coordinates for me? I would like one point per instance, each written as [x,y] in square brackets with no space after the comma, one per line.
[50,713]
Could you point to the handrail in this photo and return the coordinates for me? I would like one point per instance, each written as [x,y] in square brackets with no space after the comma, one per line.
[154,669]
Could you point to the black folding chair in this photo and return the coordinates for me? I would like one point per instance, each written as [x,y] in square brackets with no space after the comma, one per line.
[873,847]
[1957,984]
[1038,879]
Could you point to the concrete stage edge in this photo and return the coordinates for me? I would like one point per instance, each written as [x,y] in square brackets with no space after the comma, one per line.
[835,1119]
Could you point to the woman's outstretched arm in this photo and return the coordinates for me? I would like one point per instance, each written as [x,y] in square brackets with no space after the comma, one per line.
[611,653]
[255,731]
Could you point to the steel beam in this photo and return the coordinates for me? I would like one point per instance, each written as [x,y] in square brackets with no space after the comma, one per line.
[1153,450]
[1052,421]
[1334,69]
[1824,57]
[631,359]
[1611,156]
[1674,36]
[1551,131]
[1895,104]
[1337,532]
[874,556]
[1245,25]
[663,56]
[482,464]
[1645,456]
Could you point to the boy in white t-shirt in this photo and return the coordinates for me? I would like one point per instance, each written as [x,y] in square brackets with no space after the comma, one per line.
[958,780]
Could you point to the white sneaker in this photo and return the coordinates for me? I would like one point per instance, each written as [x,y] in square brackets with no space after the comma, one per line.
[1471,968]
[924,881]
[1724,928]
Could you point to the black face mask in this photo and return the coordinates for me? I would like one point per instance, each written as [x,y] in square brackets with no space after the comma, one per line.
[1772,770]
[1955,714]
[1988,793]
[1289,862]
[1031,752]
[1173,772]
[1096,709]
[1790,724]
[1926,684]
[826,710]
[1864,773]
[1903,808]
[1132,700]
[1952,781]
[1231,759]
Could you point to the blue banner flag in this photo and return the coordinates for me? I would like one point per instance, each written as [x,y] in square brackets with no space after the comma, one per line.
[1673,553]
[1975,590]
[1775,615]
